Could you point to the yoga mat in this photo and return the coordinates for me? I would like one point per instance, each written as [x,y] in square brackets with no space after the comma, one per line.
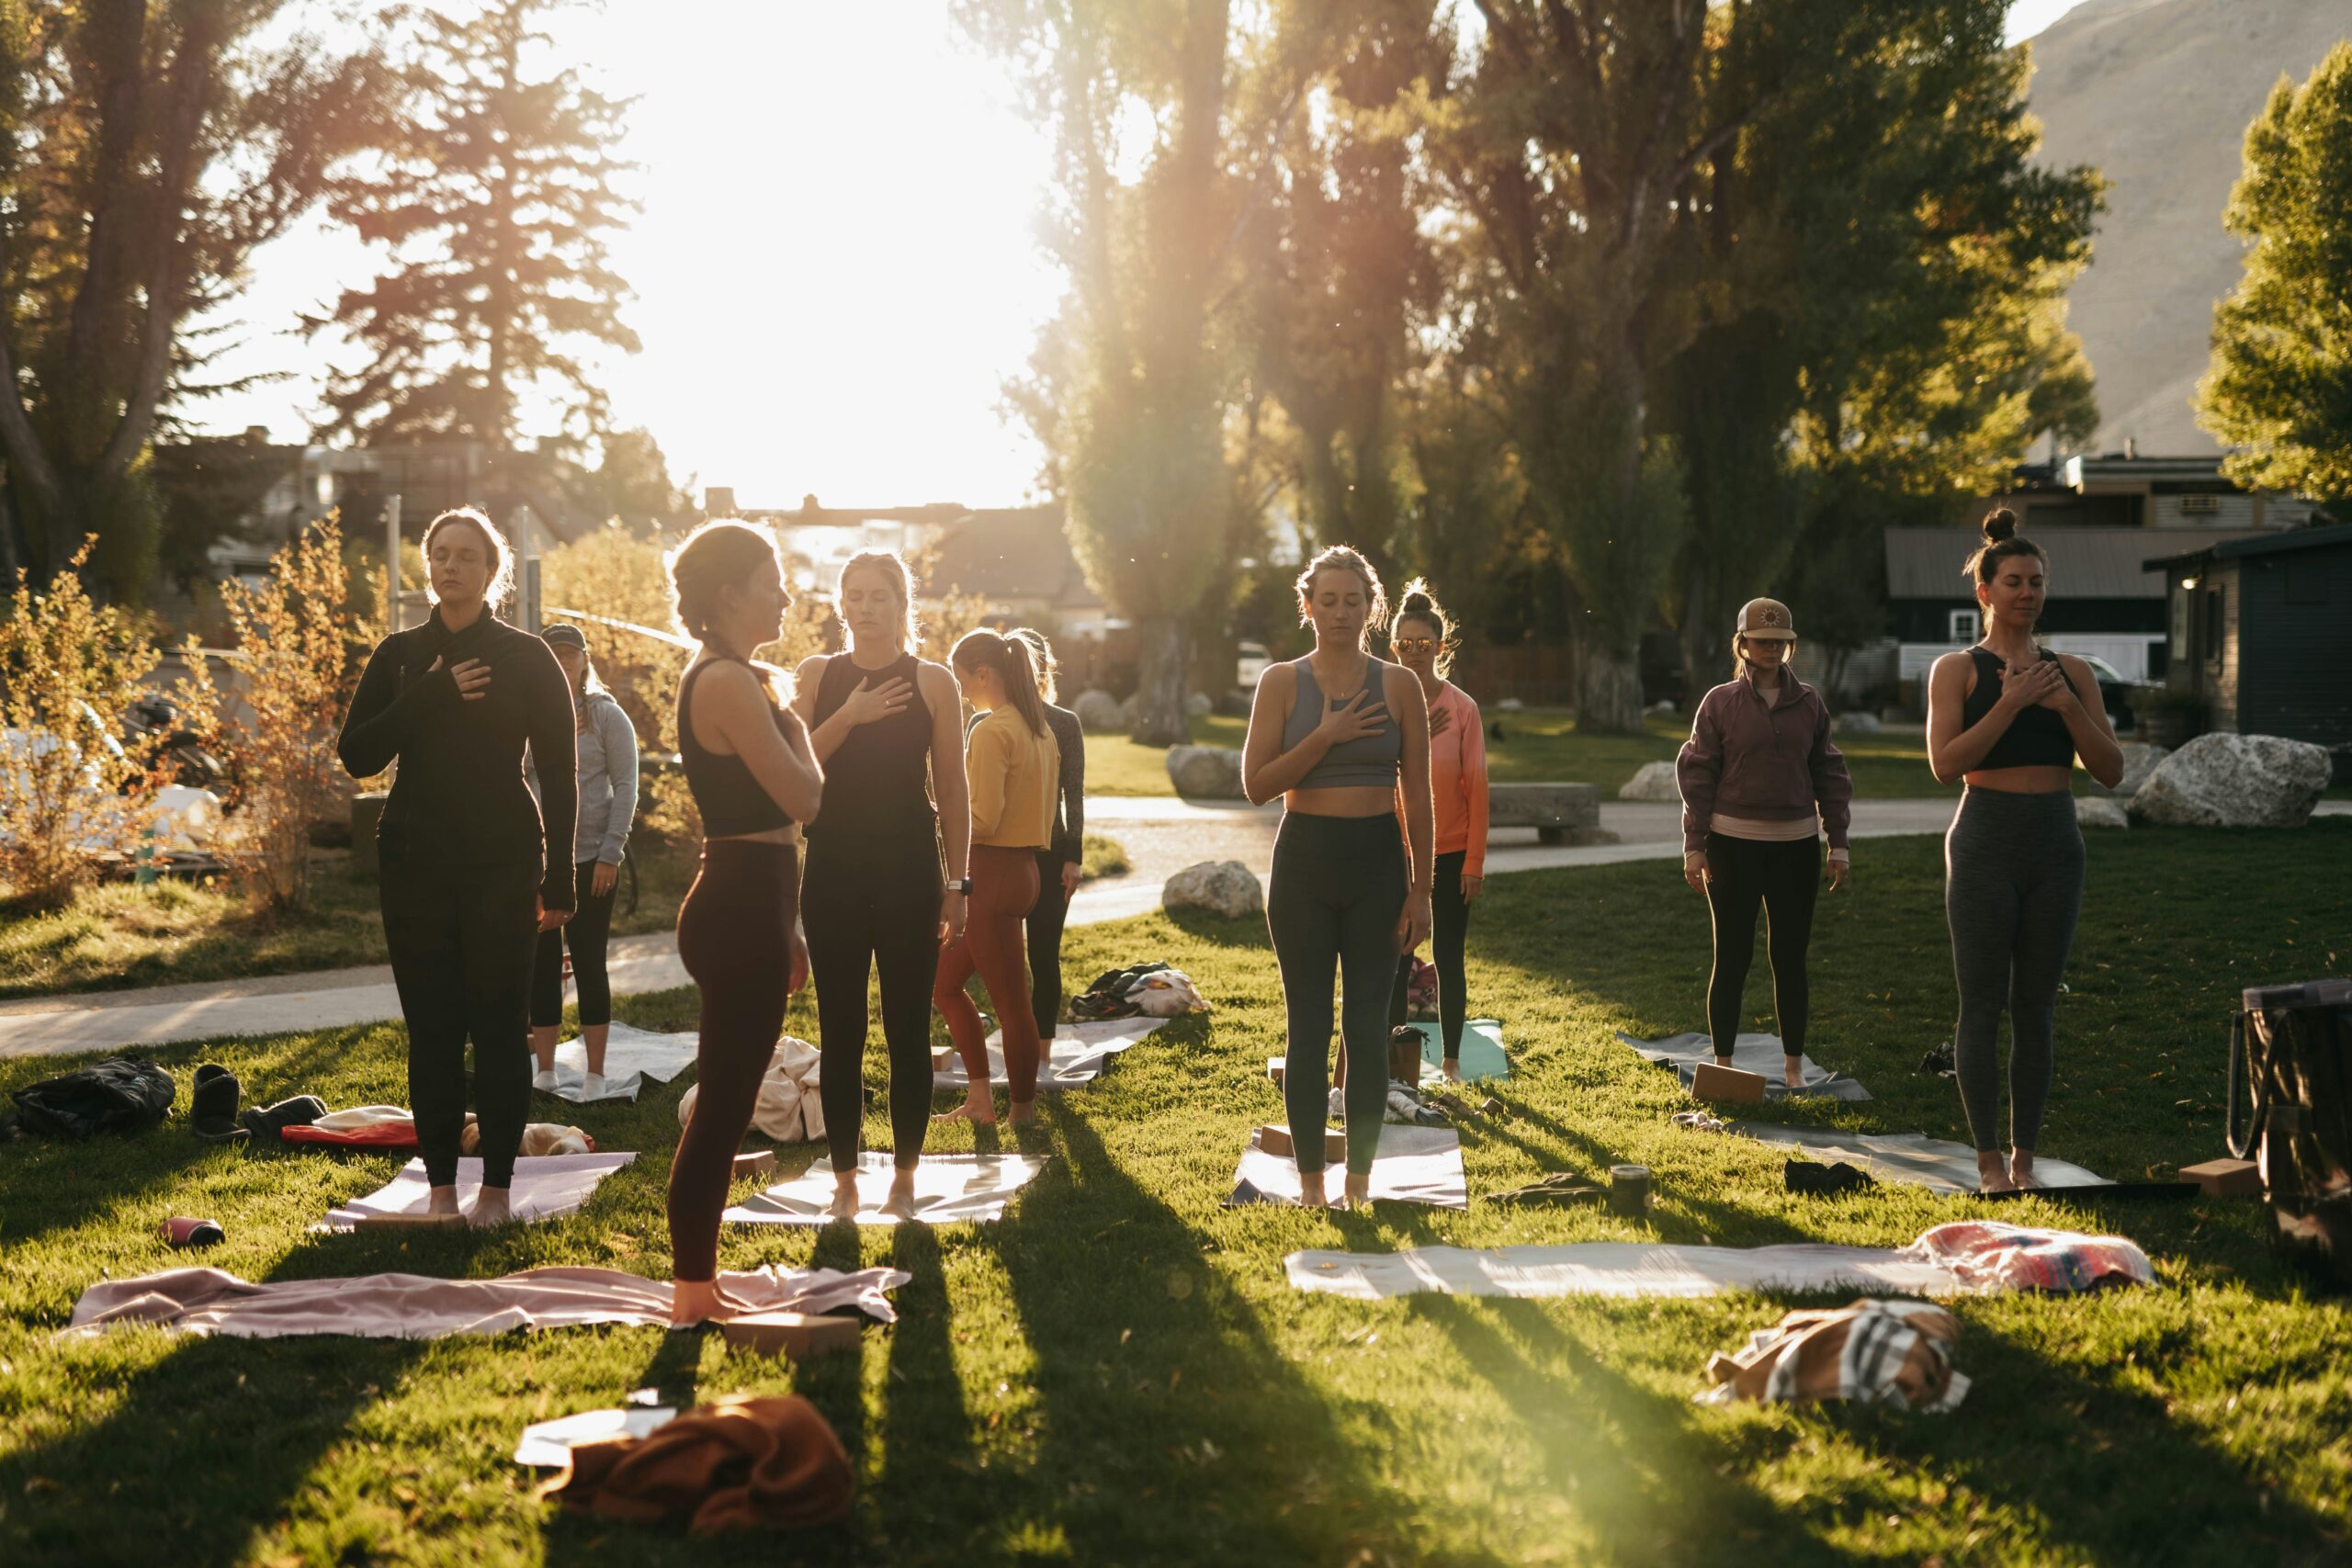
[947,1187]
[418,1307]
[1077,1055]
[1616,1269]
[1912,1157]
[547,1187]
[631,1056]
[1415,1165]
[1482,1050]
[1750,1054]
[548,1444]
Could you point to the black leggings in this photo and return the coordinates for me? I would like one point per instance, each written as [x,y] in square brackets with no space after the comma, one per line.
[1045,919]
[1784,878]
[460,939]
[1338,886]
[2013,889]
[1449,925]
[586,933]
[871,906]
[735,935]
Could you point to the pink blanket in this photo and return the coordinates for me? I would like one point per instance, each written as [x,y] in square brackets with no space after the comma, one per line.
[416,1306]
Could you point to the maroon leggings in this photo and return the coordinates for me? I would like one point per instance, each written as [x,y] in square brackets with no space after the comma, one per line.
[1004,889]
[735,935]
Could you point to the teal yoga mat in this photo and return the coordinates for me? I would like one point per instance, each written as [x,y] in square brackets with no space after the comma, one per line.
[1482,1049]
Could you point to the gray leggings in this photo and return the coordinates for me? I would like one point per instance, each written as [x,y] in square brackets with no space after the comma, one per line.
[2013,887]
[1338,886]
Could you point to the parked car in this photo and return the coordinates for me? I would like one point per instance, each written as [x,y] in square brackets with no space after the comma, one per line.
[1251,664]
[2114,690]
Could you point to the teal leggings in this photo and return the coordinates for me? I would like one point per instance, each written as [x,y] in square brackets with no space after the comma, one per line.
[1338,887]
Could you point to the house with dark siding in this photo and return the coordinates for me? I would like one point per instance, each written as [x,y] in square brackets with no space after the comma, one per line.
[2260,629]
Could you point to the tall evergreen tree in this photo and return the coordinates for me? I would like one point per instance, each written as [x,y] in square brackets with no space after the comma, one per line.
[2280,390]
[147,147]
[494,195]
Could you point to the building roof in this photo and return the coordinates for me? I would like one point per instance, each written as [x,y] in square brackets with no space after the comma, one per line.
[2264,544]
[2084,563]
[1015,553]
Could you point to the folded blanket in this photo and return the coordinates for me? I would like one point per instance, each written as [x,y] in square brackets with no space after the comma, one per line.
[1877,1351]
[737,1464]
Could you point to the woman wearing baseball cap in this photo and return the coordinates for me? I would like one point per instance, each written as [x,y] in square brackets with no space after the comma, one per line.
[1762,783]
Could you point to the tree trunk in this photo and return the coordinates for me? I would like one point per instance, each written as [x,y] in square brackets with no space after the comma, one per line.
[1160,694]
[1608,686]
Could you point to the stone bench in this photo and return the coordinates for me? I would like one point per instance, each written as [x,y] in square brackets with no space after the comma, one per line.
[1560,812]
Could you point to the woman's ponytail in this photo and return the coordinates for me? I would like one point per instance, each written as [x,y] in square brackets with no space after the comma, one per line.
[1013,662]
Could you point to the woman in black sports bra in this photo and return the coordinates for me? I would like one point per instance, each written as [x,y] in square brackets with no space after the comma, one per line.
[2010,717]
[749,764]
[886,726]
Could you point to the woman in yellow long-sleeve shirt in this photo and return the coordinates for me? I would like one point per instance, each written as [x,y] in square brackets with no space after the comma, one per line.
[1013,768]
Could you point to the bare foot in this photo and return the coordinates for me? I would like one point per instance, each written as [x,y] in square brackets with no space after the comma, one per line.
[1311,1190]
[1451,1068]
[979,1108]
[2021,1172]
[844,1204]
[1992,1175]
[491,1208]
[1360,1192]
[700,1301]
[1024,1112]
[900,1204]
[1793,1071]
[442,1200]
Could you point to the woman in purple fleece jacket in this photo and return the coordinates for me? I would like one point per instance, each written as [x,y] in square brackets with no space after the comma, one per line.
[1761,782]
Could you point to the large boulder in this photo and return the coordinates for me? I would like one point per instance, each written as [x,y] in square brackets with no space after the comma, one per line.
[2234,781]
[1098,713]
[2099,811]
[1197,705]
[1206,773]
[1855,721]
[1221,886]
[1653,782]
[2139,759]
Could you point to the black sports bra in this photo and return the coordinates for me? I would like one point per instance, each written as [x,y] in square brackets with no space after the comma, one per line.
[731,801]
[2036,738]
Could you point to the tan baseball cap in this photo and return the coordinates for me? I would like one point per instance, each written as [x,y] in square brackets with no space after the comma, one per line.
[1766,618]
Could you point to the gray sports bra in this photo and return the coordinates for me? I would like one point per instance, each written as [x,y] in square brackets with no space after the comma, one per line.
[1372,760]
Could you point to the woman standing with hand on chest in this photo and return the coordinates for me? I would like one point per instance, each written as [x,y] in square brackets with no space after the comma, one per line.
[471,871]
[2010,717]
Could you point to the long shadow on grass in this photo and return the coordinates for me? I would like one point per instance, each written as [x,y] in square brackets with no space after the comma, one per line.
[1163,1399]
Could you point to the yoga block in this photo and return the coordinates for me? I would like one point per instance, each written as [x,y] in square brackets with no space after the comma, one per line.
[1276,1141]
[2226,1178]
[1274,1069]
[410,1221]
[1711,1082]
[1405,1055]
[758,1162]
[790,1334]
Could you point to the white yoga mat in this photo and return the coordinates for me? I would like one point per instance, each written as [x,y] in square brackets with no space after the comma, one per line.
[1076,1055]
[547,1187]
[947,1188]
[1615,1268]
[1415,1165]
[548,1444]
[631,1056]
[1759,1054]
[1912,1157]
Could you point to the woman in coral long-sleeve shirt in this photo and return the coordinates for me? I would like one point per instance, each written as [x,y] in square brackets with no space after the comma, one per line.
[1423,639]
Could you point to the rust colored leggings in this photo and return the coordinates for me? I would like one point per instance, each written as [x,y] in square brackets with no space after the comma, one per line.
[735,935]
[1004,887]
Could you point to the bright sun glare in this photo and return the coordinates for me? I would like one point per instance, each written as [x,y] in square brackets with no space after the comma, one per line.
[835,267]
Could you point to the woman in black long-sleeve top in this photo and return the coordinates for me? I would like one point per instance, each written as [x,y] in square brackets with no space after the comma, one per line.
[472,869]
[1058,863]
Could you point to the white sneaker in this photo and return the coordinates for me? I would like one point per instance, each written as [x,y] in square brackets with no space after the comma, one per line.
[544,1080]
[593,1087]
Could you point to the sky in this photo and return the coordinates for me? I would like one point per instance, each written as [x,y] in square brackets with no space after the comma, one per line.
[836,264]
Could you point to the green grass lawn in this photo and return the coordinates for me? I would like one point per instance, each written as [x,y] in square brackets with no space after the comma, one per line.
[1118,1371]
[118,935]
[1539,745]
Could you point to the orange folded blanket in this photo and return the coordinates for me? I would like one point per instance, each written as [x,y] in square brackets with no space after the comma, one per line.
[741,1463]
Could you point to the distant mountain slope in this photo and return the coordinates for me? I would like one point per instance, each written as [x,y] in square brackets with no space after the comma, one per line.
[2157,93]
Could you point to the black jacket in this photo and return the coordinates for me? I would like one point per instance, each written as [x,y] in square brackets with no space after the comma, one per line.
[459,796]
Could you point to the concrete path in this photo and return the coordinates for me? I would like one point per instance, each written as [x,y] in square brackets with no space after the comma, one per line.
[1162,837]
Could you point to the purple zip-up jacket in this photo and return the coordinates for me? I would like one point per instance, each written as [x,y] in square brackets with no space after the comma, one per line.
[1768,761]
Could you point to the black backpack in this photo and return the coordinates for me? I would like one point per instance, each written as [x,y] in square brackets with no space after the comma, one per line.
[122,1094]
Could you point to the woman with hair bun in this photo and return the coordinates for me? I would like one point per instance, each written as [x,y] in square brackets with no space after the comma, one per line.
[2010,717]
[471,870]
[1012,767]
[754,776]
[1421,636]
[1335,734]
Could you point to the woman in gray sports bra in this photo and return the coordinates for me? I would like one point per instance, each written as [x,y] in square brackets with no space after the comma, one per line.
[1335,734]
